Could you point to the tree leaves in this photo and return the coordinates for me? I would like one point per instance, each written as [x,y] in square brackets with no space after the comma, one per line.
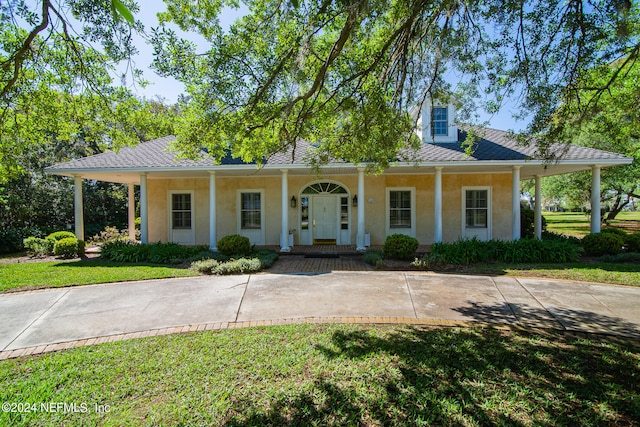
[119,9]
[325,71]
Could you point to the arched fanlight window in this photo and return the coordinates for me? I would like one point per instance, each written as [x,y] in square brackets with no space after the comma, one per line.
[324,187]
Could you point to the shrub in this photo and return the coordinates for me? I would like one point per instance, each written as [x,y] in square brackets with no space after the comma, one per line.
[520,251]
[11,240]
[632,242]
[240,266]
[171,253]
[36,246]
[157,253]
[236,266]
[68,247]
[548,235]
[631,257]
[234,244]
[400,246]
[613,230]
[108,234]
[59,235]
[220,264]
[267,257]
[463,252]
[527,223]
[112,250]
[373,257]
[598,244]
[205,266]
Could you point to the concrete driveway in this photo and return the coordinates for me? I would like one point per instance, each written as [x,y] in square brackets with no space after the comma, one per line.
[48,320]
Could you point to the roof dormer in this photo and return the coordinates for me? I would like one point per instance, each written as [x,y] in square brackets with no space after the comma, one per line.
[437,123]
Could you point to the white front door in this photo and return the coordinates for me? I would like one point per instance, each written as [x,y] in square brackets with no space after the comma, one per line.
[325,217]
[181,218]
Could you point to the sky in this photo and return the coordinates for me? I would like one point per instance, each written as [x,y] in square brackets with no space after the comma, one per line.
[170,89]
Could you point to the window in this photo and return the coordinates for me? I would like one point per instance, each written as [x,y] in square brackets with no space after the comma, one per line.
[304,213]
[344,213]
[181,211]
[399,209]
[477,208]
[439,121]
[250,211]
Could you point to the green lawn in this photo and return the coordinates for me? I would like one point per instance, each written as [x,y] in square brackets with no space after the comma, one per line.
[330,375]
[600,272]
[578,224]
[81,272]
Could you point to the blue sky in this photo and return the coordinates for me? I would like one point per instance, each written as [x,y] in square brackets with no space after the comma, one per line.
[170,88]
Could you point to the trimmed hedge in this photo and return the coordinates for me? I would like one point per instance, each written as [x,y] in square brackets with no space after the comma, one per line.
[234,244]
[69,247]
[472,251]
[400,246]
[157,253]
[59,235]
[598,244]
[632,242]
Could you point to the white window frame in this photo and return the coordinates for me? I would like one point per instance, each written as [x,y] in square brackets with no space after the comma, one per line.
[409,231]
[170,216]
[255,235]
[433,122]
[426,125]
[489,210]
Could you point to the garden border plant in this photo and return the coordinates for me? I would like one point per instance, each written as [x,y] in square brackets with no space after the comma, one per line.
[199,258]
[471,251]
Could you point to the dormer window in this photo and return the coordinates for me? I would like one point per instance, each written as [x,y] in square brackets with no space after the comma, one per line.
[439,121]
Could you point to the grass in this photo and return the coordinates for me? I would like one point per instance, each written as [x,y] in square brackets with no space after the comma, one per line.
[599,272]
[331,375]
[33,275]
[578,224]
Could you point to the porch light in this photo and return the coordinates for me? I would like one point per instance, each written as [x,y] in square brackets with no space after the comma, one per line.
[294,202]
[355,201]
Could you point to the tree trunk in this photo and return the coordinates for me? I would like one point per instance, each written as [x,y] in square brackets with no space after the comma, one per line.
[617,207]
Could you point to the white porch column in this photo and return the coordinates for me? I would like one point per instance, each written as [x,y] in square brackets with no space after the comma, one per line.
[515,203]
[144,210]
[213,239]
[284,234]
[78,207]
[437,207]
[361,201]
[131,217]
[537,213]
[595,199]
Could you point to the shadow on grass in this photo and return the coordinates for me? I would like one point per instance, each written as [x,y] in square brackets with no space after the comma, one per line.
[468,377]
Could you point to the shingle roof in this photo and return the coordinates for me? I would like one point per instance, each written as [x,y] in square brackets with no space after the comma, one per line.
[495,145]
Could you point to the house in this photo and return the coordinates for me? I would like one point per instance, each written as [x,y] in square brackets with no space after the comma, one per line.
[440,195]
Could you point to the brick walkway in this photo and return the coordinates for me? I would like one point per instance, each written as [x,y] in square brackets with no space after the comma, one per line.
[300,264]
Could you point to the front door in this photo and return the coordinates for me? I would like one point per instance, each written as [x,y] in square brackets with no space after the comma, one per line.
[325,219]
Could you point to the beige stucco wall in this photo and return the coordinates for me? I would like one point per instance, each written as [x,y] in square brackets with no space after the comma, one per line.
[374,201]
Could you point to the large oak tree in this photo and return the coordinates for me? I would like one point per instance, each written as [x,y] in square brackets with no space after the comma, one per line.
[347,75]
